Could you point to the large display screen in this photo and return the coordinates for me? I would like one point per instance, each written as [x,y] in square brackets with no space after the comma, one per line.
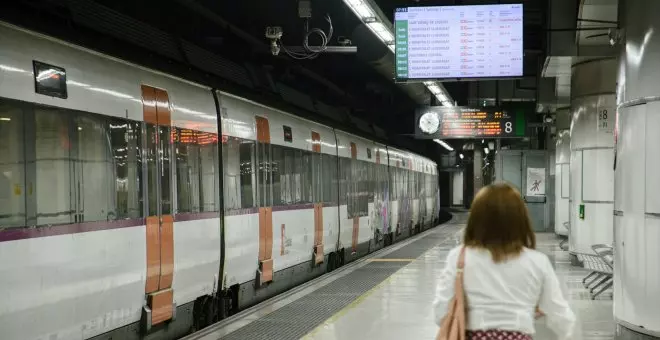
[465,122]
[459,42]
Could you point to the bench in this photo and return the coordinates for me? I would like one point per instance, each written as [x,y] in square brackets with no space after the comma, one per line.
[601,265]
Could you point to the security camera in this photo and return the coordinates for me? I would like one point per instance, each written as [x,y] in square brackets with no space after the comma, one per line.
[274,34]
[614,36]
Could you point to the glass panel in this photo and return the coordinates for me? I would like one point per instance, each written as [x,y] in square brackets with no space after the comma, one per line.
[94,177]
[187,171]
[196,171]
[274,175]
[126,142]
[246,155]
[55,194]
[306,177]
[208,182]
[165,159]
[317,174]
[264,175]
[12,166]
[152,169]
[279,176]
[330,179]
[231,164]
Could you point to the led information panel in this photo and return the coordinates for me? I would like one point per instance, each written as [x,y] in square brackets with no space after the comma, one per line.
[459,42]
[465,122]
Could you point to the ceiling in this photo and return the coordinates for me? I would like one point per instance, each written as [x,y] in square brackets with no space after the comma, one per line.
[223,43]
[580,34]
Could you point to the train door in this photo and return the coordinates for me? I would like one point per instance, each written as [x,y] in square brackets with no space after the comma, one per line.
[158,200]
[317,197]
[264,201]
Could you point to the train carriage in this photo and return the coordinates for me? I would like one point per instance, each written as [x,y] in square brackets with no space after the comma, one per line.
[134,203]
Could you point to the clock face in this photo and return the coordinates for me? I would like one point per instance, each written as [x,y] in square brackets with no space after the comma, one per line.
[429,123]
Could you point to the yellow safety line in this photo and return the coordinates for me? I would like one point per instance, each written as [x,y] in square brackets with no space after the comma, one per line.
[355,302]
[390,260]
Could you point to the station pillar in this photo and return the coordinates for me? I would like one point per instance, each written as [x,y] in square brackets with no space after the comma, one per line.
[637,173]
[562,171]
[593,104]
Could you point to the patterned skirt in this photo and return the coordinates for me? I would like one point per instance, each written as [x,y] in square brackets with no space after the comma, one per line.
[497,335]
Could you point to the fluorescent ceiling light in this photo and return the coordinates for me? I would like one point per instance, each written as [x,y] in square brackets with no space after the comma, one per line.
[360,8]
[461,155]
[366,14]
[445,145]
[381,31]
[435,89]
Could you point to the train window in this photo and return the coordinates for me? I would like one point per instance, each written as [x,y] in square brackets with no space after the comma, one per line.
[232,173]
[126,145]
[55,164]
[247,163]
[372,181]
[238,170]
[278,173]
[317,177]
[93,169]
[152,168]
[330,180]
[342,177]
[291,178]
[264,173]
[165,159]
[306,177]
[13,189]
[197,178]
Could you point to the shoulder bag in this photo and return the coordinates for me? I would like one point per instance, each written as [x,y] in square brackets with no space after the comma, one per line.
[453,324]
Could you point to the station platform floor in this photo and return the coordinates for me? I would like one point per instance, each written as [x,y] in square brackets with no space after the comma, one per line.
[389,295]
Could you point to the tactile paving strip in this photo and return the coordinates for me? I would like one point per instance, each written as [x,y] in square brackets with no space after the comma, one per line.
[422,245]
[300,317]
[303,315]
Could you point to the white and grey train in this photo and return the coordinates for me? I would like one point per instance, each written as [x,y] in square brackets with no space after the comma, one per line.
[134,204]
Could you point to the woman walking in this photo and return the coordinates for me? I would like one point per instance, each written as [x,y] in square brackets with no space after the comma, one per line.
[502,282]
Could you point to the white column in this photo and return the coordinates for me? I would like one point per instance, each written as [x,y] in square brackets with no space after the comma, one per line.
[637,174]
[457,188]
[593,84]
[562,172]
[477,164]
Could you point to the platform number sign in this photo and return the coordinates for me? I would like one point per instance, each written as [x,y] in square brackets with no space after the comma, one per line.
[605,122]
[508,127]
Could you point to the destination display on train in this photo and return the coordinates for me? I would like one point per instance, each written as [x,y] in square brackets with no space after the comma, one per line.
[466,122]
[459,42]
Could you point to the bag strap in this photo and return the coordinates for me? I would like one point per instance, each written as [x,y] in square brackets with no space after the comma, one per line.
[461,260]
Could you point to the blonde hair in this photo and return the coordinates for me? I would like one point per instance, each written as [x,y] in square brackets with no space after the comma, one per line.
[499,222]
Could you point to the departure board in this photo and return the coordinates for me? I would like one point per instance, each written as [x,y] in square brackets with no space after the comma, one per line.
[466,122]
[459,42]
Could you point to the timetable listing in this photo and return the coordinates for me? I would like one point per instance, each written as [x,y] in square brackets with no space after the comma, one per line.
[468,41]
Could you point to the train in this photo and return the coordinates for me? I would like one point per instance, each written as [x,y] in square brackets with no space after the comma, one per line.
[137,205]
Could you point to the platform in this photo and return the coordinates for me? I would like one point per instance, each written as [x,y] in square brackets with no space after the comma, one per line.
[389,295]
